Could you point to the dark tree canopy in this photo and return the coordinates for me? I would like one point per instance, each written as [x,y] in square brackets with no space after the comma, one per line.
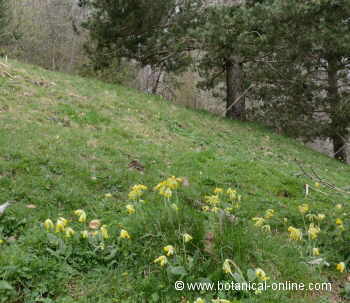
[150,32]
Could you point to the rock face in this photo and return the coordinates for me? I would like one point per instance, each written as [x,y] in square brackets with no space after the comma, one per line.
[325,147]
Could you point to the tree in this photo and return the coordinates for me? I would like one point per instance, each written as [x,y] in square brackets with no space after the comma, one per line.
[4,19]
[228,43]
[150,32]
[304,83]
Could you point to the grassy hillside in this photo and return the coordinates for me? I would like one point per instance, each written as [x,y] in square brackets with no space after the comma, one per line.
[68,143]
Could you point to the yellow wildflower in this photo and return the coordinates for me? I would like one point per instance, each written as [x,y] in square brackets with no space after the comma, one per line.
[227,267]
[259,221]
[2,241]
[162,260]
[48,224]
[109,195]
[340,266]
[166,187]
[169,249]
[311,217]
[261,274]
[213,199]
[137,191]
[104,232]
[317,184]
[81,214]
[285,220]
[304,208]
[339,206]
[124,234]
[269,213]
[215,209]
[60,225]
[220,301]
[218,190]
[84,234]
[205,208]
[187,238]
[313,231]
[130,209]
[232,193]
[315,251]
[295,233]
[69,232]
[320,217]
[266,228]
[166,192]
[199,300]
[95,224]
[339,221]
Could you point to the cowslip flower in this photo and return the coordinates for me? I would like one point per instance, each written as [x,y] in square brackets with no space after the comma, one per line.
[124,234]
[339,221]
[340,266]
[162,260]
[169,249]
[95,224]
[261,274]
[84,234]
[69,232]
[266,228]
[108,195]
[205,208]
[130,209]
[60,225]
[218,190]
[213,199]
[232,193]
[81,214]
[259,221]
[269,213]
[104,232]
[313,231]
[215,209]
[137,191]
[315,251]
[295,233]
[320,217]
[48,224]
[226,267]
[304,208]
[187,238]
[166,192]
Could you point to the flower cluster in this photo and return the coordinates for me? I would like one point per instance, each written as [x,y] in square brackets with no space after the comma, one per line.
[137,191]
[225,200]
[166,187]
[312,230]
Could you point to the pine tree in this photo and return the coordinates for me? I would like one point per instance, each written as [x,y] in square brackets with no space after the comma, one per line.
[4,19]
[152,32]
[304,83]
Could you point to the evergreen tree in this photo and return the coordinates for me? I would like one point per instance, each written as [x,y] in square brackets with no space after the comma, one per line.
[4,19]
[152,32]
[304,83]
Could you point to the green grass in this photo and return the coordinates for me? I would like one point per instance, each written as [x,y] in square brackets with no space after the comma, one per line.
[66,142]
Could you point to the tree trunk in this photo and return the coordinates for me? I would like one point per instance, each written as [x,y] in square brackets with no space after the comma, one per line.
[235,107]
[338,130]
[339,144]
